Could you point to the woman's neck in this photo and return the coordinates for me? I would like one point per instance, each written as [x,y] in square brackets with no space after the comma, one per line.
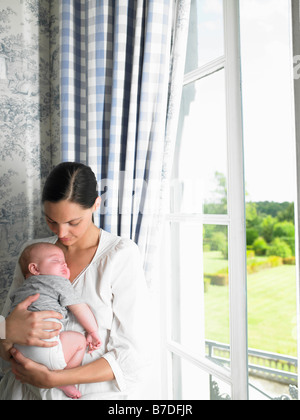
[89,240]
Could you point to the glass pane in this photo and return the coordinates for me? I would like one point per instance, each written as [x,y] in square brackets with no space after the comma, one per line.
[200,289]
[206,33]
[199,178]
[187,286]
[192,383]
[216,292]
[270,185]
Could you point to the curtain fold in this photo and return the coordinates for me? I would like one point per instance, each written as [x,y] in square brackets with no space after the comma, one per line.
[115,64]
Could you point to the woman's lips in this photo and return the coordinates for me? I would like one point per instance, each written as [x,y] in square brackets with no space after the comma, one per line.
[64,239]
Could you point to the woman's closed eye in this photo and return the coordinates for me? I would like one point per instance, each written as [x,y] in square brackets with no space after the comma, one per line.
[51,222]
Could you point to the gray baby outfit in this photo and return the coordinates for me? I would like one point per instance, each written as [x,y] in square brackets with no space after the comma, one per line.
[55,294]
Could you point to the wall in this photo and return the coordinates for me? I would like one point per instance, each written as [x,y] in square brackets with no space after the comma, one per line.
[29,122]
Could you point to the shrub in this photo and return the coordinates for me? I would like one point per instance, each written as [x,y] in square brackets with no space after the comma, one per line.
[250,254]
[219,279]
[275,261]
[260,246]
[280,248]
[257,266]
[289,261]
[218,241]
[252,234]
[267,227]
[206,284]
[290,241]
[284,229]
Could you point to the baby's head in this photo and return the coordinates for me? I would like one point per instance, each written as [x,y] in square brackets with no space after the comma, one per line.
[43,258]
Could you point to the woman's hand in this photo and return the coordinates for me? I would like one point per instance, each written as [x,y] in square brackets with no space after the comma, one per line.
[5,347]
[29,372]
[29,328]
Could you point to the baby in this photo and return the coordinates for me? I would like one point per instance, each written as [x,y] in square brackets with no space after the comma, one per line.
[45,270]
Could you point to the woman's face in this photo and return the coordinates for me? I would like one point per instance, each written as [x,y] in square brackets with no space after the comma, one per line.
[69,221]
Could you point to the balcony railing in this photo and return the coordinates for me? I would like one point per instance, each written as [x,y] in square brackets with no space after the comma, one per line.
[270,366]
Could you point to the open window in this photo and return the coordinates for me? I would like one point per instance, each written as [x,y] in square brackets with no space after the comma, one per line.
[206,252]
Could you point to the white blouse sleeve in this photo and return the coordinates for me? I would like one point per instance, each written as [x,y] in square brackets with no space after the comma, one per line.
[129,336]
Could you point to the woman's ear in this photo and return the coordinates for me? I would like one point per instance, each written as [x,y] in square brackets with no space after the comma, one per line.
[33,269]
[97,204]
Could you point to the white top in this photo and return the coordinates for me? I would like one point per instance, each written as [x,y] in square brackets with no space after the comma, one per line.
[114,287]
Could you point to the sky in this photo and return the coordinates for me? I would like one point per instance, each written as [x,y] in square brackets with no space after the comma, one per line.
[267,100]
[267,87]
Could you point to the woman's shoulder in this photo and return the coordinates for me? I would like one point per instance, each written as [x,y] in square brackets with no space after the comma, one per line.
[111,244]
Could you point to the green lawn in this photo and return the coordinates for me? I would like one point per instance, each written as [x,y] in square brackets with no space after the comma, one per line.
[271,308]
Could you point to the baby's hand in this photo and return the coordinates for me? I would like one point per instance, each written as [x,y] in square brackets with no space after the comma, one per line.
[93,341]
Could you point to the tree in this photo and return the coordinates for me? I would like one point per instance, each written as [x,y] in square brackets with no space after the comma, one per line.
[280,248]
[284,229]
[267,227]
[252,234]
[260,246]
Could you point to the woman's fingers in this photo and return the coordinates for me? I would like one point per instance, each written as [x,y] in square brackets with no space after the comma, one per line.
[29,328]
[28,301]
[50,325]
[18,356]
[28,371]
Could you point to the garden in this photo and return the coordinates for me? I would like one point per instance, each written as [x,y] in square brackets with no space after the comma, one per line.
[271,279]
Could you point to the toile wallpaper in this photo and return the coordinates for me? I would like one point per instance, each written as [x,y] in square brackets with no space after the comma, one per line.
[29,122]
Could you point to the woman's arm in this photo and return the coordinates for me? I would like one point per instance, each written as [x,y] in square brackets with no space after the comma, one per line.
[29,328]
[38,375]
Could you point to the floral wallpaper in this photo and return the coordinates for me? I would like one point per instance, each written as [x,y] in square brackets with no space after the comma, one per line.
[29,122]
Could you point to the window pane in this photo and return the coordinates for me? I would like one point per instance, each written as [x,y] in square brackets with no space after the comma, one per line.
[270,184]
[199,179]
[216,292]
[187,285]
[192,383]
[200,289]
[206,38]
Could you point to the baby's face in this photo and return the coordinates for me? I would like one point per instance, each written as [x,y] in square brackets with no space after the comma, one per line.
[52,263]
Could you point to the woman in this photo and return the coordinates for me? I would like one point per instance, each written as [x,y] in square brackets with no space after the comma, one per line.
[106,271]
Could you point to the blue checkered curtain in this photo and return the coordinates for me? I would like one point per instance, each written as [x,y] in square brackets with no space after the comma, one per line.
[115,62]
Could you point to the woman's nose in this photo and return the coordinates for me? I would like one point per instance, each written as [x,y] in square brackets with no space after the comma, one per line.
[61,231]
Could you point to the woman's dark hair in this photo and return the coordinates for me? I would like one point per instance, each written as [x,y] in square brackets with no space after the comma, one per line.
[71,181]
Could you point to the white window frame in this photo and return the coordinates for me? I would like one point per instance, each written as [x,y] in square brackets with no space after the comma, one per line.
[237,375]
[295,10]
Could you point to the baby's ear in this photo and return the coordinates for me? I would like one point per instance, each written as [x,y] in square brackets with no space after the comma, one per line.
[33,269]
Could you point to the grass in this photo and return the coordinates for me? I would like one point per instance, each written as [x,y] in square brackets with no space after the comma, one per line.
[271,308]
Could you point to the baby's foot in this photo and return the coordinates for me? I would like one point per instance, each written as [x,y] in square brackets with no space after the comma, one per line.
[71,391]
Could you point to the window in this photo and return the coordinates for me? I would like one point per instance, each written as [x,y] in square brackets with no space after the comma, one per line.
[205,238]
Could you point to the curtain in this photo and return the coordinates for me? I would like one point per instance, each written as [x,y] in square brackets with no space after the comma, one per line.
[122,65]
[29,122]
[114,87]
[91,82]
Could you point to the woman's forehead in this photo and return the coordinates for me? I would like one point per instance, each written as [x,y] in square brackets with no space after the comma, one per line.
[63,211]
